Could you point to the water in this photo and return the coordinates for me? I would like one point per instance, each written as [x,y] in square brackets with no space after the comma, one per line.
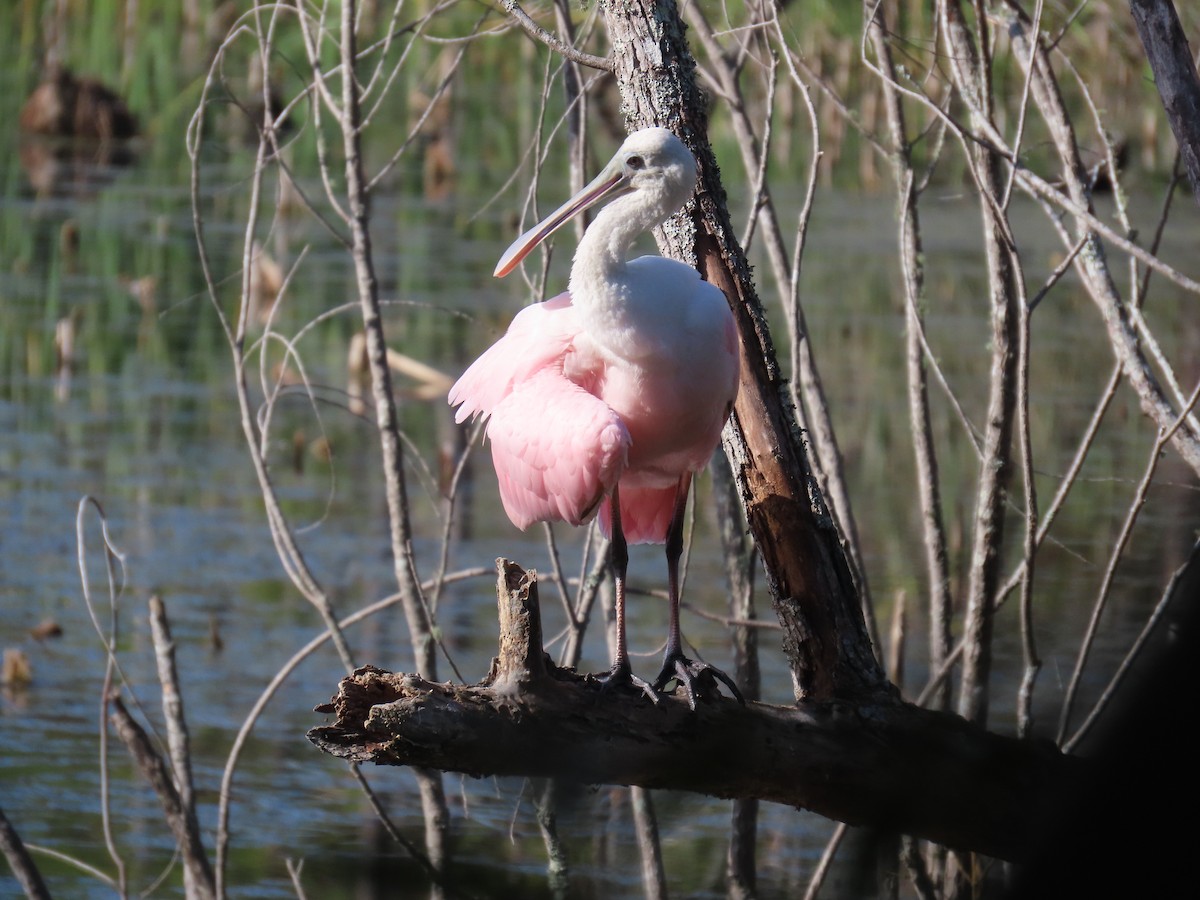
[146,423]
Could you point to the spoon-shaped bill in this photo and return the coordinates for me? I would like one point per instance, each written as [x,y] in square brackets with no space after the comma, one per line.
[611,182]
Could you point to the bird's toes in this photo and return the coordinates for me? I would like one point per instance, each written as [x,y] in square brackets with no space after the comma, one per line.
[622,678]
[699,679]
[679,670]
[728,682]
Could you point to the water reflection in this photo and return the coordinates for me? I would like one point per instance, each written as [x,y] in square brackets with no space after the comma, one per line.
[68,167]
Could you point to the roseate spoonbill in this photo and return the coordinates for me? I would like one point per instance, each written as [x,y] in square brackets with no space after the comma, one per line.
[609,397]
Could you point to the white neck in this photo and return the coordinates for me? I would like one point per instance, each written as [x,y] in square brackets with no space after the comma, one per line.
[602,252]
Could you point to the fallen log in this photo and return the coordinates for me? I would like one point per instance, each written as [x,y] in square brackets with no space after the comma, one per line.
[885,764]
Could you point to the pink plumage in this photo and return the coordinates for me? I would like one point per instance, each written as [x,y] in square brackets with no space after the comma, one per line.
[557,449]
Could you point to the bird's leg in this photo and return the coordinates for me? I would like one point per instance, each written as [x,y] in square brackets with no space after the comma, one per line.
[676,666]
[622,671]
[620,564]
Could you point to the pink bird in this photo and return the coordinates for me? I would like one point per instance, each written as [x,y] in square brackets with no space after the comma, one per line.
[609,397]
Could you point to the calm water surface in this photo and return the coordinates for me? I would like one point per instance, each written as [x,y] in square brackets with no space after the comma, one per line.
[147,424]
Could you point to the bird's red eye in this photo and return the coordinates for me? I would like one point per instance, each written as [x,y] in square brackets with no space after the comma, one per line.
[635,162]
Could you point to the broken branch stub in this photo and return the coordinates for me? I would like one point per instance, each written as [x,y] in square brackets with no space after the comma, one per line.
[522,659]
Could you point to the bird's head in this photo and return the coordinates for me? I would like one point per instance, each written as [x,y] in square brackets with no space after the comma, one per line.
[652,163]
[655,162]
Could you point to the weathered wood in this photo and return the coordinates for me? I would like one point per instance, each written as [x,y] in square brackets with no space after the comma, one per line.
[1175,75]
[892,766]
[885,764]
[521,658]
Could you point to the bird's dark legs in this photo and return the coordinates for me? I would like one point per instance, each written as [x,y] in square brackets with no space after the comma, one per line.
[620,564]
[622,671]
[674,553]
[676,666]
[692,674]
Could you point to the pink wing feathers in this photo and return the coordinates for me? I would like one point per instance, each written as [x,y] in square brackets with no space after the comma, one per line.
[557,449]
[538,338]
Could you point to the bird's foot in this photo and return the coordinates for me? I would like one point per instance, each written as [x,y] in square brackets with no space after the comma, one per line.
[698,679]
[621,677]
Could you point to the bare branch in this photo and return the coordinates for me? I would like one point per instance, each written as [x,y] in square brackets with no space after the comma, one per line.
[182,824]
[1118,551]
[178,741]
[969,62]
[912,265]
[822,867]
[357,190]
[1184,582]
[806,387]
[645,823]
[112,667]
[1127,331]
[535,31]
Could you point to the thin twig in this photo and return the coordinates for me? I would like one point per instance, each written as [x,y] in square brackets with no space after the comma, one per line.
[808,390]
[155,771]
[912,266]
[645,821]
[1032,663]
[557,859]
[585,601]
[970,67]
[1106,696]
[741,559]
[225,792]
[74,863]
[393,832]
[1115,556]
[416,610]
[419,125]
[178,741]
[294,869]
[111,666]
[535,31]
[822,869]
[1023,112]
